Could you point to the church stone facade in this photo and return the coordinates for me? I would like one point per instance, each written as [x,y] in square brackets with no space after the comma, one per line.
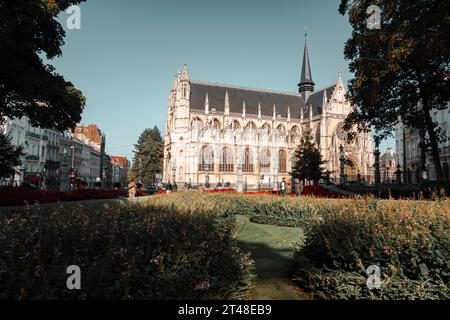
[246,137]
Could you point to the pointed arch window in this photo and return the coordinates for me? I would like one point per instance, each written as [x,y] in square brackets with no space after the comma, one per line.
[248,160]
[197,123]
[216,124]
[264,161]
[251,126]
[282,161]
[294,135]
[206,159]
[281,131]
[226,160]
[267,129]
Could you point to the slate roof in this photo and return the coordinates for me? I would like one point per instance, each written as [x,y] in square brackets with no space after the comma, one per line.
[252,97]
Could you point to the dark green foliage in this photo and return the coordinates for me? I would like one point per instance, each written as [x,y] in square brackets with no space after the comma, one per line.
[148,155]
[308,160]
[408,240]
[9,157]
[340,285]
[402,69]
[28,87]
[124,252]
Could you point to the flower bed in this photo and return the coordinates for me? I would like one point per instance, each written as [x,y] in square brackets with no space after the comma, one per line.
[217,190]
[261,192]
[320,192]
[19,196]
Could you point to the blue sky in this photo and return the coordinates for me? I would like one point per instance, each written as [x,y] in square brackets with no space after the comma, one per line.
[126,54]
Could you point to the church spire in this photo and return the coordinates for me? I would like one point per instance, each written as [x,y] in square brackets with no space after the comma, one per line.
[306,83]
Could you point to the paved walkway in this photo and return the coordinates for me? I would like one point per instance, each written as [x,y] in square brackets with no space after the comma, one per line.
[272,249]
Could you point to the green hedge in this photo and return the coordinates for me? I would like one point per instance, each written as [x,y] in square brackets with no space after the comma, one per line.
[330,284]
[408,240]
[124,252]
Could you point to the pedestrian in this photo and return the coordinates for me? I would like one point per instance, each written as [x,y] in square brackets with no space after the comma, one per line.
[169,188]
[132,189]
[283,187]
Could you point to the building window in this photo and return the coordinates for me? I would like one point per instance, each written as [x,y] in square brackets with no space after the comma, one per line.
[248,160]
[197,124]
[251,126]
[282,165]
[264,161]
[266,129]
[281,131]
[206,159]
[294,134]
[216,124]
[226,160]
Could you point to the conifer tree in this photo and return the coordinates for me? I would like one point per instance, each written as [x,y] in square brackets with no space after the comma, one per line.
[308,164]
[148,156]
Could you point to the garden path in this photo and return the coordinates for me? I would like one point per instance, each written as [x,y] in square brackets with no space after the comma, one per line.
[273,252]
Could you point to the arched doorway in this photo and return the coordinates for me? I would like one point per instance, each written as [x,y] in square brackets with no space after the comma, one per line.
[351,170]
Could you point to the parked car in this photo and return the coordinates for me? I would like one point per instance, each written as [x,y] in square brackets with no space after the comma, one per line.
[151,189]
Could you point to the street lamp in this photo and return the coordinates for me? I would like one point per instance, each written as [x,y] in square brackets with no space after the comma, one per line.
[72,170]
[342,163]
[377,153]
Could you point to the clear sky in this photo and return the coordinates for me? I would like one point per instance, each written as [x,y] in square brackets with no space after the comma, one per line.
[126,54]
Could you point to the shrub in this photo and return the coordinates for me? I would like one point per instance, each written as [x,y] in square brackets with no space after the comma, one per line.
[409,240]
[124,252]
[339,285]
[405,238]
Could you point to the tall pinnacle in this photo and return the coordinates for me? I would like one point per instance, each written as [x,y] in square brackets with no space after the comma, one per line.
[306,83]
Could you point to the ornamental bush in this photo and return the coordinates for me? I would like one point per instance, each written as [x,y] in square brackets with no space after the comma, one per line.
[404,238]
[124,252]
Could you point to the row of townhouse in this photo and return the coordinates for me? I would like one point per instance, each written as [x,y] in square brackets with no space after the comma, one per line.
[59,161]
[410,155]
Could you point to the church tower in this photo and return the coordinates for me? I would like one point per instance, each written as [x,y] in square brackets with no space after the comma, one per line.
[306,85]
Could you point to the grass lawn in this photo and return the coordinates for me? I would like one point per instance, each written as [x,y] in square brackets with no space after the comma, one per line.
[273,252]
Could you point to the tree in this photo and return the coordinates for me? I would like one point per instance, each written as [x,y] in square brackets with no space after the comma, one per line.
[28,87]
[9,157]
[148,155]
[401,70]
[308,163]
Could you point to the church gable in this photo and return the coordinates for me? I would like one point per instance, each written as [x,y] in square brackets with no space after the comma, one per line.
[338,101]
[316,99]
